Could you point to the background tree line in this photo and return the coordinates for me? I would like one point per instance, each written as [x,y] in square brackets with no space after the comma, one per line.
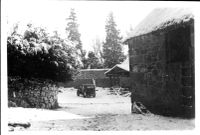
[37,54]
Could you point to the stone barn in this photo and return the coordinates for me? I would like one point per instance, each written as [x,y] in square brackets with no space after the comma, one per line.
[161,51]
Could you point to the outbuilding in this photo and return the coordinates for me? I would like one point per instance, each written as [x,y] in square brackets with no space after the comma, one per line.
[161,52]
[119,75]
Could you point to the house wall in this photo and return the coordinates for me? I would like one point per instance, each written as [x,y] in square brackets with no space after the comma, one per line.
[156,70]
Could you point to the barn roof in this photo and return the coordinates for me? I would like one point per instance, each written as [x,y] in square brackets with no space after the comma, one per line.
[161,18]
[92,74]
[123,67]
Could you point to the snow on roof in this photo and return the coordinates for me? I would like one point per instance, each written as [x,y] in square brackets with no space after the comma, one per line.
[161,18]
[124,65]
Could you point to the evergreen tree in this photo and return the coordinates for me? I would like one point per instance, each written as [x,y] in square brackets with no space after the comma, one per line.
[112,48]
[72,29]
[74,35]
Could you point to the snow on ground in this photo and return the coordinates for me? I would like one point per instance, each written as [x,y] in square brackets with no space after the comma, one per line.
[68,95]
[102,113]
[103,103]
[32,114]
[116,122]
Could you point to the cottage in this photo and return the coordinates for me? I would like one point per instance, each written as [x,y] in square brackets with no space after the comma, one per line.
[161,51]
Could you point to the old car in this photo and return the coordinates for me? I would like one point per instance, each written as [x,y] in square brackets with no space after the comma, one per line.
[87,90]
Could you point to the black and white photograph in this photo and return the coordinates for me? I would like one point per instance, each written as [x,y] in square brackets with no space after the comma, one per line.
[98,66]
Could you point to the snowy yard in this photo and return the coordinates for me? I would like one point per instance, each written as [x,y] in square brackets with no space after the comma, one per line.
[105,112]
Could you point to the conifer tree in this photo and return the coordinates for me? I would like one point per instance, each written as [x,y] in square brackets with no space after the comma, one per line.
[112,47]
[74,35]
[72,29]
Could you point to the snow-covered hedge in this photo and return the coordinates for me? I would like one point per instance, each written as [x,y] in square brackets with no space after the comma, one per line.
[39,55]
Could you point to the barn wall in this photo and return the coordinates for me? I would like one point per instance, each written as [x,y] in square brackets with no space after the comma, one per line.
[157,69]
[147,65]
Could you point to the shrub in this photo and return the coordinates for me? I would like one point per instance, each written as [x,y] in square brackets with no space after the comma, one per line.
[38,55]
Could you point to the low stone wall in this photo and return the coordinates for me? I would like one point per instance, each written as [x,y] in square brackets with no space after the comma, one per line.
[32,93]
[105,82]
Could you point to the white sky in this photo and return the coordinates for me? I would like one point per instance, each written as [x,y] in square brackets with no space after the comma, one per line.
[91,16]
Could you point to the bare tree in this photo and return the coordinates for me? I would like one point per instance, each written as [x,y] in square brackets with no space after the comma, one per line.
[97,49]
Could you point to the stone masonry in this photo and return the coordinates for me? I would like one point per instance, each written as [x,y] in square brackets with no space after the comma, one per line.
[32,93]
[161,70]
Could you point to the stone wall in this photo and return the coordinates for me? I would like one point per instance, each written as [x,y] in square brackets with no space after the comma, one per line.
[147,64]
[156,61]
[105,82]
[32,93]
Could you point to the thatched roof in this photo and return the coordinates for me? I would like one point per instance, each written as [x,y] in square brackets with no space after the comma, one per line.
[92,74]
[161,18]
[123,67]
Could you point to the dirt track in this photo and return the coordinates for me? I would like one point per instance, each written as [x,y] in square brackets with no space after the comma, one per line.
[106,112]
